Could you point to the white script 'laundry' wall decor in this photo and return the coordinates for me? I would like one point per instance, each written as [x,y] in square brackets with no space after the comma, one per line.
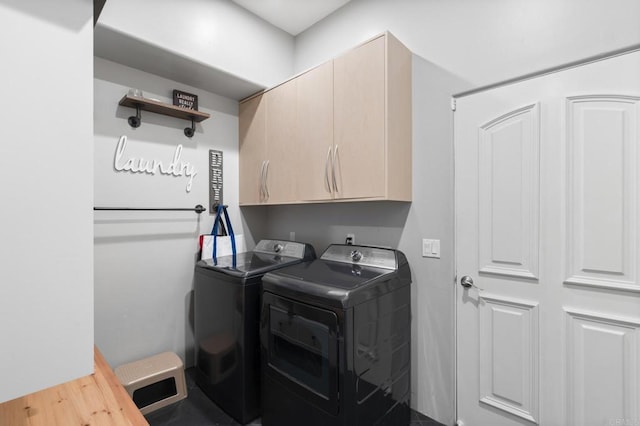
[142,165]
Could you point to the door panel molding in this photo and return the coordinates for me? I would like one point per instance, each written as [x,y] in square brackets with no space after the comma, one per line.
[509,195]
[603,368]
[509,355]
[602,191]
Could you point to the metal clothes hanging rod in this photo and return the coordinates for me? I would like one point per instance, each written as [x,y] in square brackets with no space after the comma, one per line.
[198,209]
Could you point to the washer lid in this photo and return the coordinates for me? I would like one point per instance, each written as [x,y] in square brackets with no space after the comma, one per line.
[377,257]
[343,276]
[330,283]
[267,256]
[339,283]
[247,264]
[283,248]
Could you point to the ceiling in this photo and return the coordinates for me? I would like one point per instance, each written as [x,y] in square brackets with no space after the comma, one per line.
[293,16]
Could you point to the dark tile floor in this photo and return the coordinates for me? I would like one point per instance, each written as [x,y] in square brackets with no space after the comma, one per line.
[199,410]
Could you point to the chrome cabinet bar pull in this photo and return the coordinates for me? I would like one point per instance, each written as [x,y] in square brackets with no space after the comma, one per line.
[326,171]
[262,187]
[334,165]
[266,176]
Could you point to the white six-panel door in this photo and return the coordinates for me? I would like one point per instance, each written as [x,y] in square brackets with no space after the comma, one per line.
[548,230]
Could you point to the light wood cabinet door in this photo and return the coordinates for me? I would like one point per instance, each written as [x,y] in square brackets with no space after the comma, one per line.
[359,121]
[341,131]
[282,150]
[314,103]
[252,121]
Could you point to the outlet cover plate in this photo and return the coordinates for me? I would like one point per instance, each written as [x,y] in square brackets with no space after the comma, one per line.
[430,248]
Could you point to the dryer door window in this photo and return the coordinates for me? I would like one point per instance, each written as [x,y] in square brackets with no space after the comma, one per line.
[302,349]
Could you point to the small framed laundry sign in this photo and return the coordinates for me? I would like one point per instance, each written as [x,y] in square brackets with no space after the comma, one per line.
[185,100]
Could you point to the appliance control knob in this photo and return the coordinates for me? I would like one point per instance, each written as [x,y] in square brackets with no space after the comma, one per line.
[356,256]
[278,248]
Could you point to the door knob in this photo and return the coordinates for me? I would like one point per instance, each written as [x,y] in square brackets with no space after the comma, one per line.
[467,282]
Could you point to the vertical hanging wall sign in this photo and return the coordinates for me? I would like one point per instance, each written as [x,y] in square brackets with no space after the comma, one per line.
[215,179]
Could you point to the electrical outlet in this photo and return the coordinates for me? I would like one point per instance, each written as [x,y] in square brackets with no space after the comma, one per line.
[292,236]
[351,239]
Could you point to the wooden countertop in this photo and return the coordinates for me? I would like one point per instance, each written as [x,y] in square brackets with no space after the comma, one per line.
[95,400]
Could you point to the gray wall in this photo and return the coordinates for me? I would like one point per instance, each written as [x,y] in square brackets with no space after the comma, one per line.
[46,271]
[144,260]
[480,42]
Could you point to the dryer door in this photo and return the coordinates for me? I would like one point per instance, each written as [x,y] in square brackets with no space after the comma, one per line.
[300,343]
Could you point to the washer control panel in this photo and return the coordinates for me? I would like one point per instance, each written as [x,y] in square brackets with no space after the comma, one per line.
[362,255]
[281,248]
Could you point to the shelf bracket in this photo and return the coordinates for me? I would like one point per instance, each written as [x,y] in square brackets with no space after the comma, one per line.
[135,120]
[190,131]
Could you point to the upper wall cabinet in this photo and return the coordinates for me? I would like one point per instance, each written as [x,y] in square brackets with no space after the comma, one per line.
[252,150]
[281,147]
[341,131]
[314,130]
[268,147]
[372,121]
